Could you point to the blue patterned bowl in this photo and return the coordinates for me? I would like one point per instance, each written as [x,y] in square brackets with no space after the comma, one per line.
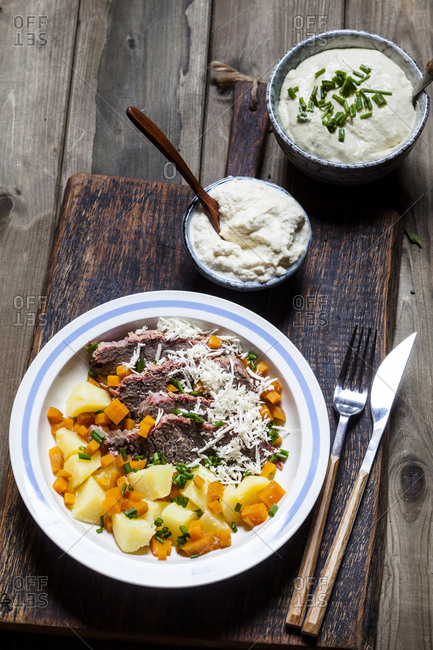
[326,170]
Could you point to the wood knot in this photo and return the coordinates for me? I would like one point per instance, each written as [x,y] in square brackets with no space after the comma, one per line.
[412,481]
[6,205]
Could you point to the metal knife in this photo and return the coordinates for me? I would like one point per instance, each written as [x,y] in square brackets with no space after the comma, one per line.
[383,392]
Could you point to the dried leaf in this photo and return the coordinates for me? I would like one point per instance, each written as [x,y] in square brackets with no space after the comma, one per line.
[413,237]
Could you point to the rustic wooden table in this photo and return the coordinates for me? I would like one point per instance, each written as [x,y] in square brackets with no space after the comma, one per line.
[69,69]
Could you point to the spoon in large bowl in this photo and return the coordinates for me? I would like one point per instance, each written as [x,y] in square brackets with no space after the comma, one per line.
[157,137]
[425,80]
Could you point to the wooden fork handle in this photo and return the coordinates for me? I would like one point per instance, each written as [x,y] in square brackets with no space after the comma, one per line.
[327,579]
[305,577]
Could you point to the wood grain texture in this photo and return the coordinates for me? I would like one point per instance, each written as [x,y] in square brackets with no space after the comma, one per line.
[233,612]
[34,87]
[407,591]
[305,579]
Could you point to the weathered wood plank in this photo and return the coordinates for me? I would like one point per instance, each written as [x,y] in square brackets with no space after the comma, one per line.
[406,615]
[34,86]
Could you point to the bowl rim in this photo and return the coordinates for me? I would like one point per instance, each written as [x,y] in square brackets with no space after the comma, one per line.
[406,145]
[233,284]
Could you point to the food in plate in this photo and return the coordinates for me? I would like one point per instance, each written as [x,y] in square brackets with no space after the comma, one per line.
[264,232]
[348,105]
[174,440]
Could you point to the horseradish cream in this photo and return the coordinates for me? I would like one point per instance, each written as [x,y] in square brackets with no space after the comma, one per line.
[264,232]
[348,105]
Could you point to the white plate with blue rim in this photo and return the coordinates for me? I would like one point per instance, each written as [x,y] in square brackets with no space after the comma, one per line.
[62,363]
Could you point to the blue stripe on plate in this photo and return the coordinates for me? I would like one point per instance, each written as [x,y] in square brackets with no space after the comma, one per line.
[178,304]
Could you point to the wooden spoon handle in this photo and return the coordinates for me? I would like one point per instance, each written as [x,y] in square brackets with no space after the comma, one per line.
[304,580]
[161,142]
[327,579]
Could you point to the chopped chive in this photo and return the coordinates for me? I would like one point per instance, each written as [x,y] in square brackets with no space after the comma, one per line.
[181,501]
[364,116]
[176,411]
[92,347]
[319,72]
[339,99]
[338,81]
[193,556]
[246,474]
[340,135]
[199,512]
[184,530]
[159,539]
[310,106]
[328,84]
[303,106]
[158,522]
[273,510]
[123,490]
[238,507]
[273,458]
[339,116]
[176,383]
[379,99]
[314,91]
[96,435]
[365,68]
[234,527]
[131,513]
[358,103]
[123,452]
[142,457]
[282,454]
[83,456]
[328,112]
[302,118]
[322,92]
[127,467]
[352,110]
[291,92]
[358,74]
[140,365]
[219,424]
[101,525]
[181,540]
[341,73]
[346,106]
[379,92]
[165,532]
[92,373]
[194,393]
[82,448]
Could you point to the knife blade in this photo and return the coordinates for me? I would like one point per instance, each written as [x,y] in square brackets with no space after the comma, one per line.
[383,393]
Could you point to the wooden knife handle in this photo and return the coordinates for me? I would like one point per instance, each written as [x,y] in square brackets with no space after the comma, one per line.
[303,583]
[248,131]
[327,579]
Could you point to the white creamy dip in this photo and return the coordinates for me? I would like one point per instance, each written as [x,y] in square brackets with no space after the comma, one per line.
[264,231]
[364,139]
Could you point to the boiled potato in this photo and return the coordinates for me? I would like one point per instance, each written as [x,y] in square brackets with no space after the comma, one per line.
[131,534]
[175,516]
[154,481]
[88,502]
[228,502]
[246,491]
[212,523]
[156,509]
[80,470]
[199,495]
[68,441]
[86,397]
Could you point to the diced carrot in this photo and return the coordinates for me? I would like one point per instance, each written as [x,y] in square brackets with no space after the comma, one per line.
[277,412]
[254,514]
[113,478]
[224,537]
[265,412]
[271,494]
[68,423]
[138,464]
[76,427]
[94,382]
[161,551]
[85,419]
[141,506]
[277,442]
[246,362]
[277,386]
[113,380]
[108,523]
[215,506]
[82,431]
[198,481]
[56,459]
[64,473]
[198,387]
[271,396]
[56,427]
[103,482]
[69,498]
[120,460]
[171,389]
[199,546]
[135,495]
[215,490]
[116,411]
[102,418]
[214,342]
[60,484]
[262,368]
[162,554]
[144,429]
[54,415]
[195,529]
[92,447]
[112,501]
[121,481]
[174,492]
[268,470]
[129,424]
[122,371]
[107,460]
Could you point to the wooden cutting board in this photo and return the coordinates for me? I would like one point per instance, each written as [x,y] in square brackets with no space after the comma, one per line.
[118,236]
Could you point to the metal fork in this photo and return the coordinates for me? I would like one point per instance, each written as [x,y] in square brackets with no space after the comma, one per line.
[350,397]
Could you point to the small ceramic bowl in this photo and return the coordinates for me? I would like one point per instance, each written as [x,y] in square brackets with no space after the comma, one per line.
[227,282]
[326,170]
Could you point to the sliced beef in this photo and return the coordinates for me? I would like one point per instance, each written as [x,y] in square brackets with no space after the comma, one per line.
[242,377]
[114,440]
[167,402]
[133,389]
[110,354]
[176,437]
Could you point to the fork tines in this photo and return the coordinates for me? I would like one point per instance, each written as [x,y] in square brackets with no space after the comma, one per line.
[358,357]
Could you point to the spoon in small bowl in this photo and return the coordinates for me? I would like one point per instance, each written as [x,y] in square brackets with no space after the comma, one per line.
[425,80]
[157,137]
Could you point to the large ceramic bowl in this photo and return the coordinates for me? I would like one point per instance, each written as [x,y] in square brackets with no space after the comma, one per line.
[326,170]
